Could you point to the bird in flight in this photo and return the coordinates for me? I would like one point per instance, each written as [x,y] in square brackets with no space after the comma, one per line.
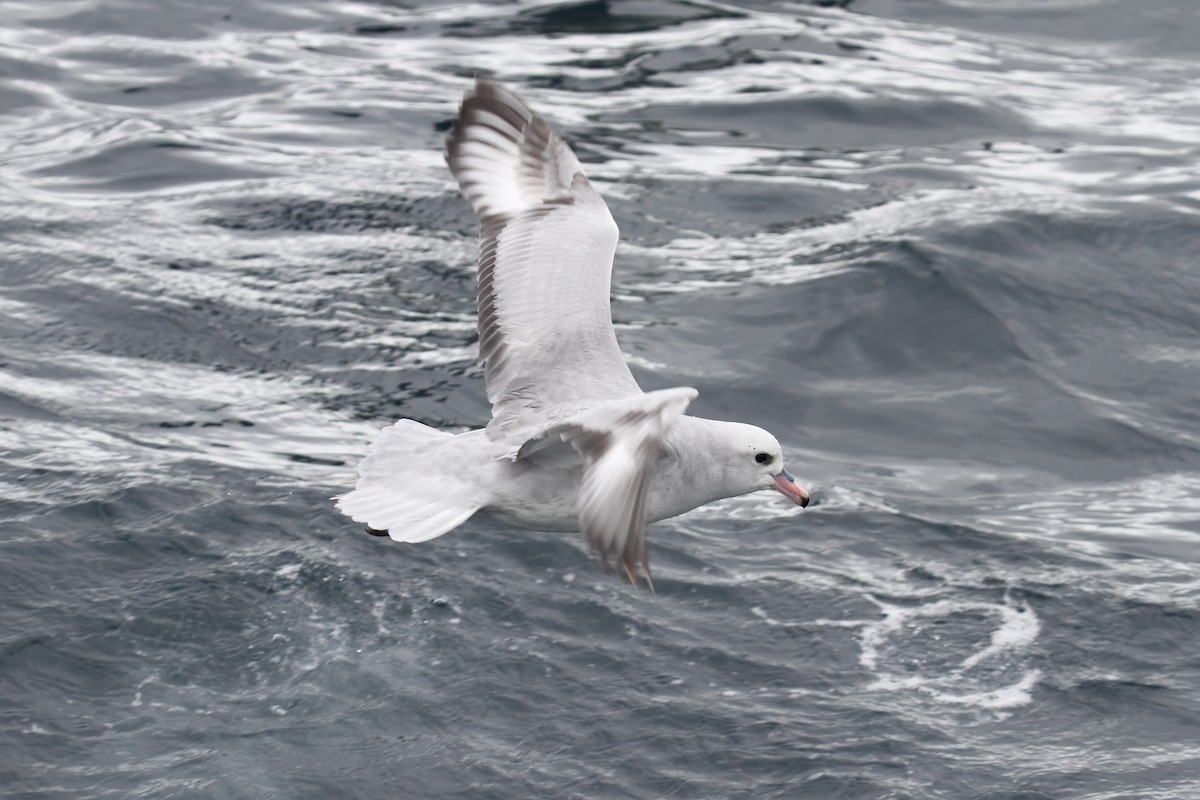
[573,443]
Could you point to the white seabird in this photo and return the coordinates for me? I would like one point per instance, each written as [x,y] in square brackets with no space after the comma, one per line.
[574,443]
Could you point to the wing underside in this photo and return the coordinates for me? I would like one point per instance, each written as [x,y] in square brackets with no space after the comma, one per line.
[545,262]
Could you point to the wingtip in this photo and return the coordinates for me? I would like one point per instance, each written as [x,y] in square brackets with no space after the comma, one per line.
[649,577]
[493,137]
[635,569]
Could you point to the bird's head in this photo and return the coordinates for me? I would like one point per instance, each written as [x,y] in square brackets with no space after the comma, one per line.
[753,460]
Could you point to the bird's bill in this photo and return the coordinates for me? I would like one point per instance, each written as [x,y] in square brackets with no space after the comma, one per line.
[786,484]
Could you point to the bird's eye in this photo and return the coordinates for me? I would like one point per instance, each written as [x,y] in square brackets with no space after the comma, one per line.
[763,458]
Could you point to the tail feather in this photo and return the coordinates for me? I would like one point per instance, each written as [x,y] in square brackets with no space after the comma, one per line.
[401,489]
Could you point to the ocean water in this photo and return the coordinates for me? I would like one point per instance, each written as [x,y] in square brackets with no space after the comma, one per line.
[947,250]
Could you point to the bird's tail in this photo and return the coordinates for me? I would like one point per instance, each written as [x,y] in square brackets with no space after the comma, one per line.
[405,488]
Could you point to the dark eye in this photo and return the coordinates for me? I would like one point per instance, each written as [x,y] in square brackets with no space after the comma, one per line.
[763,458]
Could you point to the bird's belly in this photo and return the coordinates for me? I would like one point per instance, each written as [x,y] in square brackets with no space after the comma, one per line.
[538,499]
[540,521]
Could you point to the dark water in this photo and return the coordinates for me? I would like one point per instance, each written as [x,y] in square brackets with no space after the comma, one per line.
[945,249]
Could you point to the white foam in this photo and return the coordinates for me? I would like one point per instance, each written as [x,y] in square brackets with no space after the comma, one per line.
[1019,627]
[973,680]
[1012,696]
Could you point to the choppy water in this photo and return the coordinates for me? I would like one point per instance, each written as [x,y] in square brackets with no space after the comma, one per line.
[946,250]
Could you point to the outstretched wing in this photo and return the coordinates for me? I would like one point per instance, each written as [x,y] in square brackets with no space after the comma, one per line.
[620,441]
[545,262]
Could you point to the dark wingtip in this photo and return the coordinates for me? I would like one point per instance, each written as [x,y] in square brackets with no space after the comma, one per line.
[634,570]
[490,96]
[376,531]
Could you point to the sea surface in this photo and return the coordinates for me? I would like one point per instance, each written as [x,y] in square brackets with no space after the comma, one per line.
[946,250]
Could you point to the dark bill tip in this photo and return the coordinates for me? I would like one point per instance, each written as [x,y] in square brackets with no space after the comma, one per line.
[786,484]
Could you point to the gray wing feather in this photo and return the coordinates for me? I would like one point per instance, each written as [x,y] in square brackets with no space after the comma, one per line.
[545,262]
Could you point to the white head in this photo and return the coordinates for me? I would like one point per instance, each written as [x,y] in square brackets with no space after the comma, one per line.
[751,460]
